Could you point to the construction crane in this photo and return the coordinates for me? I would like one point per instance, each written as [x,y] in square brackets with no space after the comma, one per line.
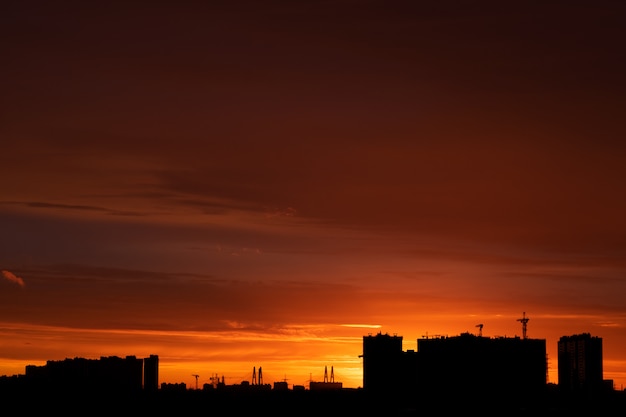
[524,321]
[480,329]
[215,380]
[433,336]
[196,376]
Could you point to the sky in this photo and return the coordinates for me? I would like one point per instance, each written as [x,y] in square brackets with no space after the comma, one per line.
[235,185]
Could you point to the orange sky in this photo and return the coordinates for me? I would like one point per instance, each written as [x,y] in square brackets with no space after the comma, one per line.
[261,184]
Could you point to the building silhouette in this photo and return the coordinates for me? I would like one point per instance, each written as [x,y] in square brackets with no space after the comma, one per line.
[151,373]
[381,361]
[445,375]
[580,364]
[463,366]
[107,374]
[473,366]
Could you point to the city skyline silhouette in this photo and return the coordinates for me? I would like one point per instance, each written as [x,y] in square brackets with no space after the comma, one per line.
[513,348]
[505,373]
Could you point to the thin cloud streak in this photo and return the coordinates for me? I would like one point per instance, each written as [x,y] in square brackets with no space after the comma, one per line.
[10,276]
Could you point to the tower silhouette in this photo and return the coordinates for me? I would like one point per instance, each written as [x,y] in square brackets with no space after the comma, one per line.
[524,321]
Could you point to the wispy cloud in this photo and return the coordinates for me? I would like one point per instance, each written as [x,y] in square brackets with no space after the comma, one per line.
[13,278]
[280,212]
[72,207]
[363,326]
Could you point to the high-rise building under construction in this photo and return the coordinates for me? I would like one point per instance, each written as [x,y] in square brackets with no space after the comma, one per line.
[466,365]
[580,363]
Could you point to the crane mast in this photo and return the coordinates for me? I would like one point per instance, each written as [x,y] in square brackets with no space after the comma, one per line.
[524,321]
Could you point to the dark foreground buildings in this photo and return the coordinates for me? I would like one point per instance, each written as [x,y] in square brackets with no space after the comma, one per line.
[464,367]
[464,374]
[508,374]
[108,374]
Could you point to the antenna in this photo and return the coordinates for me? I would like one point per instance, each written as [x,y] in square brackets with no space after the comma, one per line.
[480,329]
[524,321]
[215,380]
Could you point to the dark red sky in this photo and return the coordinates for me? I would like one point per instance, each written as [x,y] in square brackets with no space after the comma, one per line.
[261,174]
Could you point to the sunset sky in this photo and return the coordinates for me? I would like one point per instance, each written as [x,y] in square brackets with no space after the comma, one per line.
[241,184]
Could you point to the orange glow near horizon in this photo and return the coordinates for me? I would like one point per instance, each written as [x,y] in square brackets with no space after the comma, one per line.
[298,356]
[182,354]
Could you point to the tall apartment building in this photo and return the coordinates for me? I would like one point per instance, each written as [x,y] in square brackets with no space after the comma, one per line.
[382,362]
[151,373]
[580,363]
